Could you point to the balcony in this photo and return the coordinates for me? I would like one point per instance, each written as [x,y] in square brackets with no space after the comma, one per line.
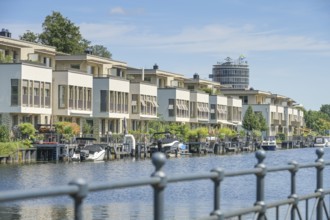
[276,122]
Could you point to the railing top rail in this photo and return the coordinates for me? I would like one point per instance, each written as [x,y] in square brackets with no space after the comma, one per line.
[124,184]
[13,195]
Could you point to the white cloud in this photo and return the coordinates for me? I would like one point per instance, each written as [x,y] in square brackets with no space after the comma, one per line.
[206,39]
[117,11]
[124,11]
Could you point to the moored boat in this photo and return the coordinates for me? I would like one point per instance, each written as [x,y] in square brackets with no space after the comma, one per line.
[167,144]
[88,151]
[269,144]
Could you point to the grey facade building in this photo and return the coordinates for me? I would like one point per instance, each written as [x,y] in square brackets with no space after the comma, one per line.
[232,73]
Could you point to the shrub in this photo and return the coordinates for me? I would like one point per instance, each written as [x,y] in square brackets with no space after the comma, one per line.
[4,133]
[27,130]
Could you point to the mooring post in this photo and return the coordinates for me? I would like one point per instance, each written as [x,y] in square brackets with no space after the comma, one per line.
[158,160]
[319,182]
[78,197]
[261,155]
[217,193]
[293,195]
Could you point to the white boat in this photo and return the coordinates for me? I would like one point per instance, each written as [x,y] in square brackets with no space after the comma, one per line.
[129,143]
[321,141]
[87,151]
[168,145]
[269,144]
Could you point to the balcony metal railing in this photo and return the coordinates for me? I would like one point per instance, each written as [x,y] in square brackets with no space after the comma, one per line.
[79,189]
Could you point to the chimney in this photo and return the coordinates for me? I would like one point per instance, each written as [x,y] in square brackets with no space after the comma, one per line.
[155,66]
[5,33]
[196,76]
[88,51]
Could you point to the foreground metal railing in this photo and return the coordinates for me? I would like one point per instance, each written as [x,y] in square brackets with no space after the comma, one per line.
[79,189]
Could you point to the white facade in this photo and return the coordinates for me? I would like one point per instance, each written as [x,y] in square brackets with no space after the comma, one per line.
[174,104]
[25,93]
[218,110]
[110,104]
[73,93]
[199,107]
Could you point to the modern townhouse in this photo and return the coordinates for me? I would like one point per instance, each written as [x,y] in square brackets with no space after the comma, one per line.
[234,111]
[72,92]
[104,84]
[279,111]
[222,111]
[174,104]
[111,105]
[171,99]
[26,82]
[143,105]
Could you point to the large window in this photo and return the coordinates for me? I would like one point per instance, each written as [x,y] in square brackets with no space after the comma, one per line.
[61,96]
[171,112]
[104,100]
[14,92]
[47,94]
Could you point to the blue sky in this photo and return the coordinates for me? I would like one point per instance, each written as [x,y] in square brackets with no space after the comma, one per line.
[286,43]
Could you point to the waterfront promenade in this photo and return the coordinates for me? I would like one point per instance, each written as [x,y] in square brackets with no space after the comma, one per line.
[194,198]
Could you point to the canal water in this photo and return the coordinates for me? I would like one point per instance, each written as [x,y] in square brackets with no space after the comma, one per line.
[186,200]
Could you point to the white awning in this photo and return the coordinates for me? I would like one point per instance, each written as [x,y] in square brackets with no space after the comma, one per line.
[155,104]
[226,122]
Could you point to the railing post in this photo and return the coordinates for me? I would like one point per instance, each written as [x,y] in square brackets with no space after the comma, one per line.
[217,192]
[261,155]
[319,182]
[158,160]
[293,195]
[78,197]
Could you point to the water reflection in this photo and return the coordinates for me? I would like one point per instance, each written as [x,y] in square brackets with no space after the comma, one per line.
[186,200]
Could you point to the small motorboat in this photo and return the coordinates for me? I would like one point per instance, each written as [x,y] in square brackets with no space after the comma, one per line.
[88,151]
[165,143]
[269,144]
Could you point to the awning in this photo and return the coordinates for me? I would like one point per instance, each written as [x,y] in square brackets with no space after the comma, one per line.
[226,122]
[155,104]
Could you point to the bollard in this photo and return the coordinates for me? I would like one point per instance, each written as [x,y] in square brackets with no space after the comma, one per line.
[261,155]
[78,197]
[158,160]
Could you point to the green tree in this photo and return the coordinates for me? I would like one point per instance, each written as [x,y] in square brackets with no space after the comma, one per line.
[101,51]
[316,120]
[250,121]
[325,109]
[262,124]
[30,36]
[61,33]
